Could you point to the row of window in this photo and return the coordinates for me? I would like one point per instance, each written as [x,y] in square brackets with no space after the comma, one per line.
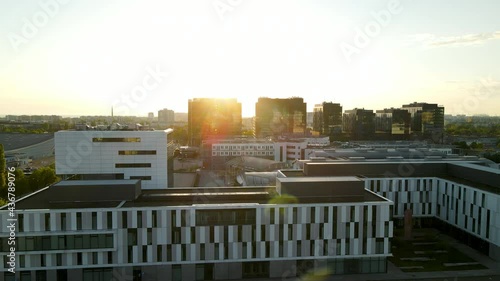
[137,152]
[243,147]
[144,178]
[133,165]
[249,250]
[206,271]
[93,274]
[213,217]
[401,185]
[237,153]
[225,217]
[462,193]
[116,139]
[221,217]
[60,242]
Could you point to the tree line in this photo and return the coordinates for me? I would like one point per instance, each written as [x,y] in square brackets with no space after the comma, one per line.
[471,129]
[24,184]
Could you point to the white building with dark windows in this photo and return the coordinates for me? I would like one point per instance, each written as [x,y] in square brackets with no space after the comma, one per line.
[460,196]
[217,152]
[114,155]
[333,215]
[99,230]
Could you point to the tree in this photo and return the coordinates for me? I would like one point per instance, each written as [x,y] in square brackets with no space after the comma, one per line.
[461,144]
[475,145]
[42,178]
[284,199]
[495,157]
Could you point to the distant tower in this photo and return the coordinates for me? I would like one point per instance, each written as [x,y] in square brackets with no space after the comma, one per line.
[111,119]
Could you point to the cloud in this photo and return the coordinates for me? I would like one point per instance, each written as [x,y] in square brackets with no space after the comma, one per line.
[431,40]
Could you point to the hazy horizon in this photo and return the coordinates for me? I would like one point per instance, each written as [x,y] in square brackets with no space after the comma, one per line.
[84,57]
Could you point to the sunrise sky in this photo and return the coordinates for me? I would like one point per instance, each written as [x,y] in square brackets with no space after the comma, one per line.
[83,57]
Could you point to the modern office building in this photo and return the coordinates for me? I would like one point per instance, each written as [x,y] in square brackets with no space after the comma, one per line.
[359,124]
[131,155]
[427,120]
[327,118]
[294,149]
[393,123]
[280,117]
[217,152]
[199,234]
[166,118]
[209,118]
[460,196]
[378,154]
[337,215]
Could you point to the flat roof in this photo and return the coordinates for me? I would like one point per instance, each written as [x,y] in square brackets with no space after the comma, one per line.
[320,179]
[171,197]
[95,182]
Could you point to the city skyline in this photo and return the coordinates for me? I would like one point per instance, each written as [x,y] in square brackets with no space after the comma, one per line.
[82,58]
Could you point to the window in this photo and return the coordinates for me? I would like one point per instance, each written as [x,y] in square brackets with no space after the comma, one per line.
[99,274]
[109,220]
[124,219]
[137,152]
[63,222]
[94,220]
[59,259]
[41,275]
[116,139]
[255,270]
[109,241]
[79,221]
[46,243]
[154,218]
[133,165]
[20,218]
[139,219]
[47,222]
[132,237]
[94,241]
[176,272]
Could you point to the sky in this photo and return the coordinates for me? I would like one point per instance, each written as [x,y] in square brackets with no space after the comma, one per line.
[69,57]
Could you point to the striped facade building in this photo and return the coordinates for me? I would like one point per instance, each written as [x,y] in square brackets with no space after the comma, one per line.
[198,234]
[337,216]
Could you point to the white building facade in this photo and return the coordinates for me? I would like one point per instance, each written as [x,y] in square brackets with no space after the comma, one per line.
[470,209]
[200,242]
[118,154]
